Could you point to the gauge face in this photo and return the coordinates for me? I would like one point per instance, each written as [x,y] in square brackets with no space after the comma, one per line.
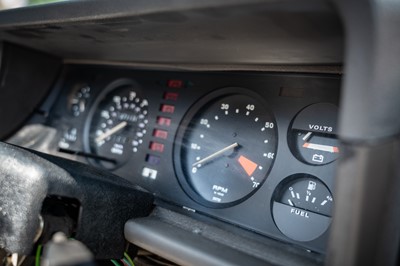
[302,207]
[78,100]
[225,148]
[117,126]
[312,137]
[69,137]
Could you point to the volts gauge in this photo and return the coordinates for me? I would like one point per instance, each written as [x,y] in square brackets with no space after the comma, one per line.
[225,147]
[313,134]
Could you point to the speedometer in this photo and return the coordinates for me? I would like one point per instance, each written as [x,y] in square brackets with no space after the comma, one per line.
[116,125]
[225,147]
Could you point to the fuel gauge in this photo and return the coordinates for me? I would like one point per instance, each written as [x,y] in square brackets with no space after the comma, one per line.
[302,207]
[313,135]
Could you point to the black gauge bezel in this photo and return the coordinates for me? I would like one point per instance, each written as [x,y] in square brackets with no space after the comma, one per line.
[113,86]
[183,126]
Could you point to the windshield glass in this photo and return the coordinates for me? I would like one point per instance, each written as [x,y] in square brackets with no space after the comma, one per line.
[8,4]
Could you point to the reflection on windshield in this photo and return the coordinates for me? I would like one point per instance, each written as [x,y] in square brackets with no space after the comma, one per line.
[7,4]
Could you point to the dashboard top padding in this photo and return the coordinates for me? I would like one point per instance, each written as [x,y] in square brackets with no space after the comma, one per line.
[175,31]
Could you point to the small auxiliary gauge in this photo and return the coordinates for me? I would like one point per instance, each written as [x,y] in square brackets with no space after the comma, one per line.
[312,136]
[78,99]
[302,207]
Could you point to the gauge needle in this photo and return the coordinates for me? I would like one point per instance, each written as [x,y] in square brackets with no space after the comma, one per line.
[291,203]
[321,147]
[215,154]
[111,131]
[307,136]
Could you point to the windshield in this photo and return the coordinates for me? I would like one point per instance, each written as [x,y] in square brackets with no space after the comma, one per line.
[8,4]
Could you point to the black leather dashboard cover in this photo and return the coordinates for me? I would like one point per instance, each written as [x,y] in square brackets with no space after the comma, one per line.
[107,201]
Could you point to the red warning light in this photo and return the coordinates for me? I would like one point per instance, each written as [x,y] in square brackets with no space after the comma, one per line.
[162,134]
[163,121]
[171,96]
[175,83]
[166,108]
[155,146]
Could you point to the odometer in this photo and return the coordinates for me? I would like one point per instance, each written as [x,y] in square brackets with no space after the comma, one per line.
[225,147]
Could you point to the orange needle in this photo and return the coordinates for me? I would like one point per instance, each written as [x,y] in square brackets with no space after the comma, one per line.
[248,165]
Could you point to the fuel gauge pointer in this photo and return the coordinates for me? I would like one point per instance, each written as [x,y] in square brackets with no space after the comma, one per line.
[291,203]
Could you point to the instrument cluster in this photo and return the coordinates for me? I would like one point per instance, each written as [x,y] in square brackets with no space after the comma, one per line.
[257,150]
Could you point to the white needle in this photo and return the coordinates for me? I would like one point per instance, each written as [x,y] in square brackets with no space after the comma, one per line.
[215,154]
[111,131]
[305,138]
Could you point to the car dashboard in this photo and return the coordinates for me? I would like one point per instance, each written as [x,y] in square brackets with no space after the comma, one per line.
[153,128]
[240,118]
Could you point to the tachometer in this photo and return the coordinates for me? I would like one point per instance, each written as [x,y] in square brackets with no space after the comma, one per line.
[225,147]
[116,125]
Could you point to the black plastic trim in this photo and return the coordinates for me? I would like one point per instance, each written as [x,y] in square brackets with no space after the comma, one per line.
[187,241]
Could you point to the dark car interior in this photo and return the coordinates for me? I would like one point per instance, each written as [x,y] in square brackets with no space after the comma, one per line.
[180,132]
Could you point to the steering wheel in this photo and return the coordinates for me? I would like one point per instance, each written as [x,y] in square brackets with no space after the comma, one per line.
[106,201]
